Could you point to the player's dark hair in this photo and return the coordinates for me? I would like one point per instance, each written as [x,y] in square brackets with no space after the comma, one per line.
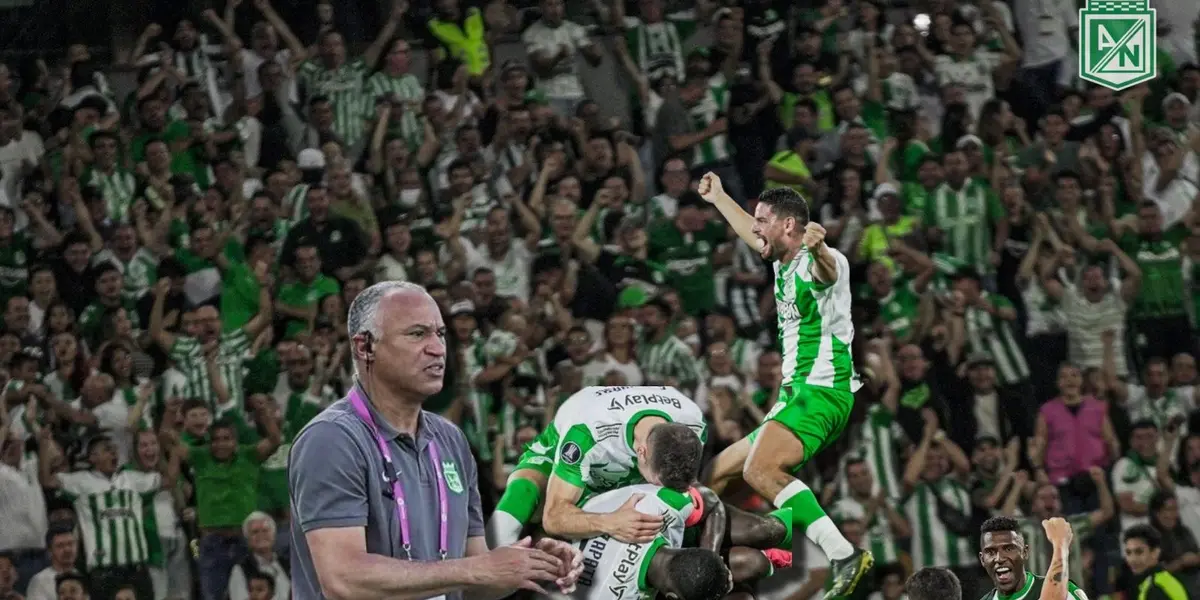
[995,524]
[675,455]
[1147,534]
[698,574]
[786,202]
[933,583]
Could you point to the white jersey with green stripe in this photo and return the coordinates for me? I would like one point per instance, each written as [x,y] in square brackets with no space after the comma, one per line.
[933,543]
[111,514]
[815,330]
[614,570]
[595,427]
[232,352]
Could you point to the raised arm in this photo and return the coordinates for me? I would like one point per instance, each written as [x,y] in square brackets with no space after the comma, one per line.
[741,221]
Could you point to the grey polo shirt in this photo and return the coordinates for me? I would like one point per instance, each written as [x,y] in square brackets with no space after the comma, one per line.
[336,479]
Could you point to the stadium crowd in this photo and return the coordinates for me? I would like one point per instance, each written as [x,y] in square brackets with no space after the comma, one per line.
[176,263]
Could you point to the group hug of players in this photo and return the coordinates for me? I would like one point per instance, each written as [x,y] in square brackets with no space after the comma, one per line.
[617,472]
[617,469]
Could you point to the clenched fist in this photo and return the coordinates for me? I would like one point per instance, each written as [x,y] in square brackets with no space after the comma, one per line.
[710,187]
[1058,531]
[814,236]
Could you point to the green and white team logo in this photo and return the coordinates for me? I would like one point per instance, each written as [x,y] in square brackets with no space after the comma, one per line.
[1117,40]
[450,473]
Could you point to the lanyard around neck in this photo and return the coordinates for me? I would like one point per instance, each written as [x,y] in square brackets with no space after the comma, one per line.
[358,401]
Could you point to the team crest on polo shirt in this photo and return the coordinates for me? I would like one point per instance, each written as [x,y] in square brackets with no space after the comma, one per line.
[450,474]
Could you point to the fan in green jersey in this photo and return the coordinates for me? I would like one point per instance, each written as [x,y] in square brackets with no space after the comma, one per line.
[816,330]
[1003,553]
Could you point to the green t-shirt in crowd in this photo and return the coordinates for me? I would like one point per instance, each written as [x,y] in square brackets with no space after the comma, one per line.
[688,258]
[239,296]
[306,295]
[14,266]
[1163,292]
[226,492]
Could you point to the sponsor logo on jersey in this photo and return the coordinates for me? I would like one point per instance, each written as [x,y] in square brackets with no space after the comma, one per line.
[787,311]
[613,390]
[626,571]
[571,453]
[593,550]
[644,400]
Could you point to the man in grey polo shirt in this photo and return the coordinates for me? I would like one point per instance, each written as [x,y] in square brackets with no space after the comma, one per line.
[377,483]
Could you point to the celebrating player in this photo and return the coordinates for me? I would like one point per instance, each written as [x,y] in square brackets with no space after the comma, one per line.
[812,299]
[1003,553]
[602,438]
[614,569]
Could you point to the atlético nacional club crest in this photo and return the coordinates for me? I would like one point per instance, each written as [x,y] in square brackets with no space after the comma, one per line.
[450,474]
[1117,43]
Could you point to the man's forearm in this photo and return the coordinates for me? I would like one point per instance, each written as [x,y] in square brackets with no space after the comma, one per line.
[374,576]
[741,221]
[570,522]
[1056,583]
[824,265]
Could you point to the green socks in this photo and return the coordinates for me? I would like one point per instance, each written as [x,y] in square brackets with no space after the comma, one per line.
[816,525]
[784,515]
[513,512]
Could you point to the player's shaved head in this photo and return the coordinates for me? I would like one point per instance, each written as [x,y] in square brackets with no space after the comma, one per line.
[933,583]
[696,574]
[675,453]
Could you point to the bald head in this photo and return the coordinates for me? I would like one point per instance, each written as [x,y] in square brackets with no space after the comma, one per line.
[363,316]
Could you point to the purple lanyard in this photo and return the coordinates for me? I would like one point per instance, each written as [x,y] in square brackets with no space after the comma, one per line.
[360,407]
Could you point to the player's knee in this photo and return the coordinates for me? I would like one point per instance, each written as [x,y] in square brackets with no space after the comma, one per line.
[533,476]
[748,564]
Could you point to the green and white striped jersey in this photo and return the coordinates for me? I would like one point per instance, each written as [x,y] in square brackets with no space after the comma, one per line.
[933,544]
[595,426]
[118,189]
[477,423]
[140,272]
[111,515]
[408,89]
[992,335]
[296,203]
[966,217]
[1040,548]
[346,88]
[815,329]
[716,148]
[668,359]
[234,349]
[879,436]
[878,537]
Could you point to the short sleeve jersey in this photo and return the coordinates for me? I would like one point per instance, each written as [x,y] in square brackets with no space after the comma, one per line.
[595,427]
[614,570]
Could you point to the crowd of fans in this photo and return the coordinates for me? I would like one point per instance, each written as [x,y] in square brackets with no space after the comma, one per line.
[175,265]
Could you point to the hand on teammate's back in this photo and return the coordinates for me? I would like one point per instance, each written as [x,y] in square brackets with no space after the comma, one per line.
[518,566]
[628,524]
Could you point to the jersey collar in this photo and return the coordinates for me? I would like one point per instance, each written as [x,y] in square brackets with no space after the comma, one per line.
[637,417]
[658,542]
[1021,593]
